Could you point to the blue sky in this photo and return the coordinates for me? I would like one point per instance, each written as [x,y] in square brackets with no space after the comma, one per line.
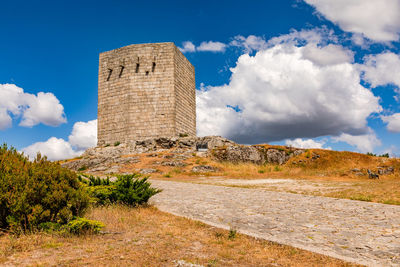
[291,68]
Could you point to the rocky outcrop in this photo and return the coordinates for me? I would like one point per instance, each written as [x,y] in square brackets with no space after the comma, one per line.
[105,158]
[255,154]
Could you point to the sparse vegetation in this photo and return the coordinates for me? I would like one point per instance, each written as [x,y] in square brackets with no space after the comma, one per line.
[145,236]
[117,143]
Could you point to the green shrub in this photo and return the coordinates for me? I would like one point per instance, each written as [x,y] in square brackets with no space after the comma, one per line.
[32,193]
[232,234]
[128,189]
[102,194]
[79,226]
[117,143]
[132,191]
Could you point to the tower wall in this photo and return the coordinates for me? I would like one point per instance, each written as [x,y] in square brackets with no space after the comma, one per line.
[145,91]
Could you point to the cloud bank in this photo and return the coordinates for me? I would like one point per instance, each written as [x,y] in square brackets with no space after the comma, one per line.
[32,109]
[83,136]
[288,91]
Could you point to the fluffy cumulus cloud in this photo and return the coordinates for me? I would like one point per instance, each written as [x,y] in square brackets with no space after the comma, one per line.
[83,136]
[306,143]
[288,91]
[393,122]
[364,143]
[54,149]
[381,69]
[32,109]
[211,46]
[378,20]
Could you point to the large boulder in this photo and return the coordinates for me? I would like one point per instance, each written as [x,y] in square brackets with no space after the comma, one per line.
[239,153]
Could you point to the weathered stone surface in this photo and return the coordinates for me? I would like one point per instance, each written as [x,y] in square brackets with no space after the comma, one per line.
[357,231]
[173,163]
[277,156]
[238,153]
[204,169]
[147,171]
[384,170]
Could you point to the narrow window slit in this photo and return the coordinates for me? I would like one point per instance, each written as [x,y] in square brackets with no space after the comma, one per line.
[121,71]
[147,73]
[137,67]
[109,74]
[154,67]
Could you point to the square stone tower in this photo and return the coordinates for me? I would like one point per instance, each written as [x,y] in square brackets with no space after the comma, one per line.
[145,91]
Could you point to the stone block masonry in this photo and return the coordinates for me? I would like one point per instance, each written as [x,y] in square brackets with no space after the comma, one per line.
[145,91]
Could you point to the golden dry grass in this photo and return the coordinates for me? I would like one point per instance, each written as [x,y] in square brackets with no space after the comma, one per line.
[330,169]
[149,237]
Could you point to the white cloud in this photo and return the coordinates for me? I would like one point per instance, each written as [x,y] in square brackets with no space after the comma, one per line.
[187,47]
[34,109]
[393,122]
[84,135]
[281,94]
[306,143]
[54,149]
[364,143]
[328,55]
[381,69]
[211,46]
[378,20]
[321,36]
[249,43]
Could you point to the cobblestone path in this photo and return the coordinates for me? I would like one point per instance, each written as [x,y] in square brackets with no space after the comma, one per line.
[356,231]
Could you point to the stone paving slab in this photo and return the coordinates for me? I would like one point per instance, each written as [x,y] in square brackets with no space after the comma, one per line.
[355,231]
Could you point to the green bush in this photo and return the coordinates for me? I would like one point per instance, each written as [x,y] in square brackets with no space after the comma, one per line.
[102,194]
[79,226]
[132,191]
[128,189]
[32,193]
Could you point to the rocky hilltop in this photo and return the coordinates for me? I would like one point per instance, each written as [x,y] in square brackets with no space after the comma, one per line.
[108,159]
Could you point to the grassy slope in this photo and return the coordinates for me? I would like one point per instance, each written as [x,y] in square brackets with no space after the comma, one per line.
[149,237]
[331,169]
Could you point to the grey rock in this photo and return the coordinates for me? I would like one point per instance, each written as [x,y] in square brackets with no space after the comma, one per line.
[147,171]
[276,156]
[204,169]
[239,153]
[173,163]
[383,170]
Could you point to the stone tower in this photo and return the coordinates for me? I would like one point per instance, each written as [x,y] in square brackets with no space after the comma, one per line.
[145,91]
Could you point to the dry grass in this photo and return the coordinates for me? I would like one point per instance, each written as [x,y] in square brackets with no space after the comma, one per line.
[332,169]
[148,237]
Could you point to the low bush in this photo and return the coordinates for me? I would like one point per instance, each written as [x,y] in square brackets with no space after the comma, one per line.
[33,193]
[79,226]
[131,190]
